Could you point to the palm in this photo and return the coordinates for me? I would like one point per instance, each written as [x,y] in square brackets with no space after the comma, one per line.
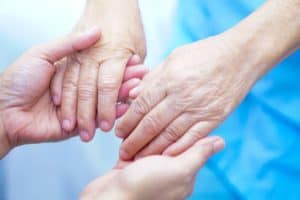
[155,177]
[28,113]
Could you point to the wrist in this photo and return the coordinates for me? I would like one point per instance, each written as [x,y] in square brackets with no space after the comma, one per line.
[120,23]
[116,194]
[110,190]
[267,36]
[96,9]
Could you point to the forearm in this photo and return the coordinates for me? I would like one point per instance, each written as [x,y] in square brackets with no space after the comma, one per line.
[107,3]
[111,9]
[120,23]
[268,35]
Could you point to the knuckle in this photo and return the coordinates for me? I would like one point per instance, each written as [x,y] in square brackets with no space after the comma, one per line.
[107,84]
[171,134]
[151,125]
[86,92]
[70,84]
[141,106]
[195,135]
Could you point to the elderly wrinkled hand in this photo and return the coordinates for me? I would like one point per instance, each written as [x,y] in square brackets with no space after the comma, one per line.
[185,98]
[148,178]
[92,78]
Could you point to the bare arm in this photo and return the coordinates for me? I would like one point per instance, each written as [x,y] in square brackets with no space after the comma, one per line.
[218,71]
[90,89]
[269,34]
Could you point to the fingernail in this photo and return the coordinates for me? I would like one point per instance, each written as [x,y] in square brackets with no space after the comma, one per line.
[55,100]
[84,135]
[135,92]
[136,57]
[119,134]
[66,125]
[218,145]
[124,155]
[104,125]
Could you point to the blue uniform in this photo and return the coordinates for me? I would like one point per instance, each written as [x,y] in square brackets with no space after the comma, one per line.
[262,159]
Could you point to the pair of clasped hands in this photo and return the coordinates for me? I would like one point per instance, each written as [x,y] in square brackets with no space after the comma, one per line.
[36,108]
[91,77]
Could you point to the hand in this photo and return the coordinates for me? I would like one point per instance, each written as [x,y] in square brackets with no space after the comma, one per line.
[134,72]
[94,76]
[27,114]
[185,98]
[155,177]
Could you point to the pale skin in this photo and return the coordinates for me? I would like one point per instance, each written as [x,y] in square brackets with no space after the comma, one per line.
[27,113]
[148,178]
[189,94]
[88,83]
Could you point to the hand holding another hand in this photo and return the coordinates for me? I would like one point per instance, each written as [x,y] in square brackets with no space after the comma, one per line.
[155,177]
[27,114]
[89,81]
[185,98]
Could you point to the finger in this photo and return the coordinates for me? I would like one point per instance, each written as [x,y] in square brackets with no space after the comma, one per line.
[109,82]
[57,82]
[126,87]
[134,60]
[69,95]
[148,99]
[87,100]
[196,132]
[196,156]
[121,109]
[67,45]
[170,135]
[121,164]
[135,92]
[137,71]
[149,127]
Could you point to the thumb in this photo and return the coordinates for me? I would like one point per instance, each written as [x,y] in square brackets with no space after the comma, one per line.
[60,48]
[196,156]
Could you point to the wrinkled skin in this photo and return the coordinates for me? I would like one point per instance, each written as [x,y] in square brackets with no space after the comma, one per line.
[93,78]
[149,179]
[27,112]
[184,99]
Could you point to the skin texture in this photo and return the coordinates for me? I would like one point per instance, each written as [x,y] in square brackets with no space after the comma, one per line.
[27,112]
[93,77]
[134,73]
[200,84]
[140,178]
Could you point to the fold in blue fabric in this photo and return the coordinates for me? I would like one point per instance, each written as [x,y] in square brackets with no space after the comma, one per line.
[261,160]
